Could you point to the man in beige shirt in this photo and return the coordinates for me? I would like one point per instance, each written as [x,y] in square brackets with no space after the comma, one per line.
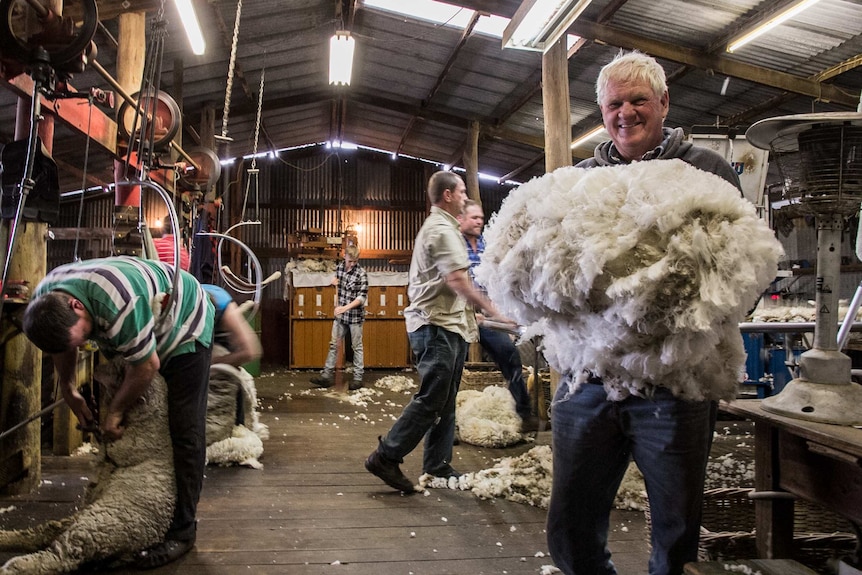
[440,324]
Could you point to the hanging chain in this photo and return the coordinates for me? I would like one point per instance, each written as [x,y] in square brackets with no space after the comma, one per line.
[257,119]
[253,172]
[230,70]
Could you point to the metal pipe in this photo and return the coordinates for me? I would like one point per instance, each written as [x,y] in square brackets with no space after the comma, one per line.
[785,327]
[32,418]
[175,225]
[844,331]
[132,102]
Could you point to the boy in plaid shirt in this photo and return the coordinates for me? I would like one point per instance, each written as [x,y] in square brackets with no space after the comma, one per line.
[352,282]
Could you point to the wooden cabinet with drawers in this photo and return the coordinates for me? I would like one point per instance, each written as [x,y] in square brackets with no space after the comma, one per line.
[384,334]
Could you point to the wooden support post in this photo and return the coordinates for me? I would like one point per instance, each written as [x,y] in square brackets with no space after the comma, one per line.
[558,121]
[177,94]
[773,517]
[67,435]
[131,50]
[20,452]
[555,101]
[471,163]
[208,114]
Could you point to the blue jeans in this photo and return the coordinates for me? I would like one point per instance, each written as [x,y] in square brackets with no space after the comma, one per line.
[593,440]
[338,329]
[504,353]
[439,356]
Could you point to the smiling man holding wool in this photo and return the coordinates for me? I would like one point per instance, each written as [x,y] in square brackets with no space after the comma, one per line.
[636,265]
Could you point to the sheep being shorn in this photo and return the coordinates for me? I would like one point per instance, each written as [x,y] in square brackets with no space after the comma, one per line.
[633,272]
[234,432]
[128,506]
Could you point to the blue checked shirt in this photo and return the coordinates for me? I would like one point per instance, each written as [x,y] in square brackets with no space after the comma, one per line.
[475,260]
[351,285]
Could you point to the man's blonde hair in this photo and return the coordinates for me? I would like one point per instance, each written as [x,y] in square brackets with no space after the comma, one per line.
[628,67]
[351,252]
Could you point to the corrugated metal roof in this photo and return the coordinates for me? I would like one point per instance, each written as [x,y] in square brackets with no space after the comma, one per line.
[416,87]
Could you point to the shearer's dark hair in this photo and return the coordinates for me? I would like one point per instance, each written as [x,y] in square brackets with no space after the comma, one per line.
[47,321]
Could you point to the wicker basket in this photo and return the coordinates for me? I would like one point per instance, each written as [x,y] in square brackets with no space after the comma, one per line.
[727,529]
[479,379]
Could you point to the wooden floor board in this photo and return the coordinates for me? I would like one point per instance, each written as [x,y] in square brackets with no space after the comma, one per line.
[313,509]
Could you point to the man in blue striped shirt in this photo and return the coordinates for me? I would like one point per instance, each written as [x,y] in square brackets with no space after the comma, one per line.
[116,302]
[496,343]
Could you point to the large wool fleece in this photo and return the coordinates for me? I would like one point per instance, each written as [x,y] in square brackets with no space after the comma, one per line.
[128,506]
[638,273]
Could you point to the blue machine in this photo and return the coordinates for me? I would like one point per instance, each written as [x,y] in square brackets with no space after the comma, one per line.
[766,363]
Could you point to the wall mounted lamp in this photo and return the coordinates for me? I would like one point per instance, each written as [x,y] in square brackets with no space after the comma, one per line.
[769,24]
[538,24]
[191,25]
[341,47]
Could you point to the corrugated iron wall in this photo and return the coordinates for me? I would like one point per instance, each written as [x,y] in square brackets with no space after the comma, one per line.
[330,190]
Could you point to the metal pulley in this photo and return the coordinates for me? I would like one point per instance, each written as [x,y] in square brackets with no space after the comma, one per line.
[162,111]
[205,175]
[25,29]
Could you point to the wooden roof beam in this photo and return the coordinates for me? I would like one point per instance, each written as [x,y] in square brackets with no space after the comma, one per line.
[756,74]
[456,51]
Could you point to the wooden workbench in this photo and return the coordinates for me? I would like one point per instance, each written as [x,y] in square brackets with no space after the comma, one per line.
[814,461]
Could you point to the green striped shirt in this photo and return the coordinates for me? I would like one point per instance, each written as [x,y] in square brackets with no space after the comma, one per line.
[118,293]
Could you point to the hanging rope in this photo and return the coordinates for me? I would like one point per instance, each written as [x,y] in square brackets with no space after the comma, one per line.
[230,70]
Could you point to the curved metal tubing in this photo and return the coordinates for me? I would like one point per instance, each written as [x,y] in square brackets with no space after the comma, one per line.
[172,212]
[258,269]
[785,327]
[232,280]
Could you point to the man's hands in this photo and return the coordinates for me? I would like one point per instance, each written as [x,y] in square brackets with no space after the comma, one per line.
[79,407]
[112,428]
[135,382]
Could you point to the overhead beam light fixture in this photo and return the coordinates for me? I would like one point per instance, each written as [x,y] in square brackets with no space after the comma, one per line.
[769,24]
[191,25]
[538,24]
[341,47]
[588,136]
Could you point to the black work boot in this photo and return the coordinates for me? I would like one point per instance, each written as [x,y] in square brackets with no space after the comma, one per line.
[389,472]
[320,381]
